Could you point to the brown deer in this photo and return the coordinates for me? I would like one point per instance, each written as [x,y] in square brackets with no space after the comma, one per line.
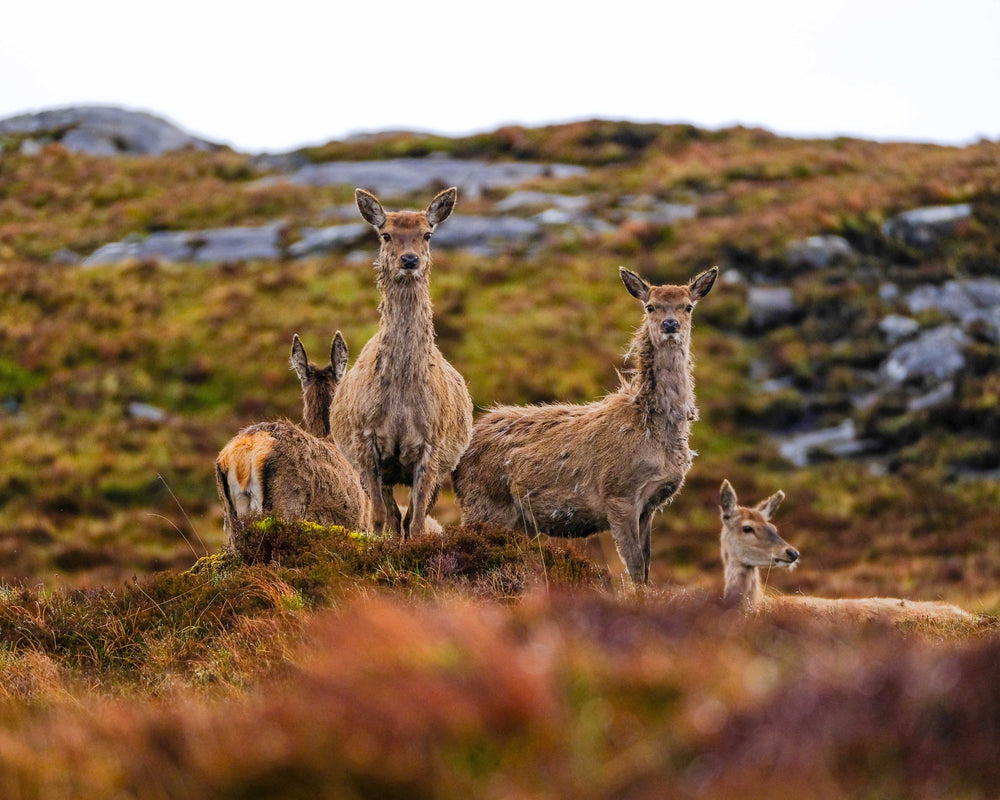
[295,472]
[403,414]
[750,542]
[576,470]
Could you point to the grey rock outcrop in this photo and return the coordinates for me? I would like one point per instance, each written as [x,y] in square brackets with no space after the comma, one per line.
[401,176]
[770,305]
[968,301]
[220,244]
[103,131]
[896,328]
[840,440]
[933,357]
[316,241]
[925,227]
[816,252]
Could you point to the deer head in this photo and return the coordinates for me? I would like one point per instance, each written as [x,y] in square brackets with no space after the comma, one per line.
[405,249]
[668,308]
[319,384]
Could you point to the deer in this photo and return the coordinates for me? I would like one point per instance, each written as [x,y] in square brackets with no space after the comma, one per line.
[403,414]
[292,471]
[574,470]
[750,542]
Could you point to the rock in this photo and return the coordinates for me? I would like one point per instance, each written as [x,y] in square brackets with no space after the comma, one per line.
[896,328]
[925,227]
[969,301]
[64,256]
[402,176]
[219,244]
[104,130]
[485,234]
[554,216]
[145,411]
[524,199]
[240,244]
[665,214]
[837,441]
[934,356]
[316,241]
[770,305]
[935,397]
[888,292]
[816,252]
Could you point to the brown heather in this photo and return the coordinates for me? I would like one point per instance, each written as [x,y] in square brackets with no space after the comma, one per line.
[576,470]
[294,472]
[403,414]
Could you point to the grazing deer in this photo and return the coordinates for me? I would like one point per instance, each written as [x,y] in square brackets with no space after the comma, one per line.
[576,470]
[295,472]
[750,541]
[403,414]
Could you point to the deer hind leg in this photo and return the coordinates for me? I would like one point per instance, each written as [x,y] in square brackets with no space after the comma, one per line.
[625,532]
[393,522]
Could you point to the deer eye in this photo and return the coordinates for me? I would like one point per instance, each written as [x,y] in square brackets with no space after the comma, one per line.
[689,309]
[386,237]
[427,236]
[748,529]
[649,308]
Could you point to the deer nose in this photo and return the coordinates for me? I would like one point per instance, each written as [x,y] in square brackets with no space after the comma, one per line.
[409,260]
[792,554]
[671,326]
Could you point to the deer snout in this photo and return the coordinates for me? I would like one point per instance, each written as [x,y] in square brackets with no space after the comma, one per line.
[670,326]
[792,555]
[409,260]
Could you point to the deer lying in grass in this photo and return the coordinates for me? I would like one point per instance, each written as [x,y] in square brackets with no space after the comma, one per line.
[295,472]
[403,414]
[750,542]
[576,470]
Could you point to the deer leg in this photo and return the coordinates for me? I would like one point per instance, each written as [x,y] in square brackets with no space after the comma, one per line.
[422,495]
[371,482]
[625,532]
[645,530]
[392,511]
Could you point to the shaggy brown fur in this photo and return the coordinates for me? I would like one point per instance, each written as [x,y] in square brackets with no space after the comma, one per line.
[403,414]
[750,542]
[575,470]
[281,468]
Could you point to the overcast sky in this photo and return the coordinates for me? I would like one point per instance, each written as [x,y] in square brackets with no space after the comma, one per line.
[272,76]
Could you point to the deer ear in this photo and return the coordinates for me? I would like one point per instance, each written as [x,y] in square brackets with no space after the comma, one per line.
[703,284]
[338,356]
[370,208]
[441,206]
[727,499]
[769,506]
[636,286]
[298,359]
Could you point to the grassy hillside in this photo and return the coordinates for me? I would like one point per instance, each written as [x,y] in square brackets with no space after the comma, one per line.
[484,664]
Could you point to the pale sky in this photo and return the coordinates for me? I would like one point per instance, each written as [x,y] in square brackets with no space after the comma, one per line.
[273,76]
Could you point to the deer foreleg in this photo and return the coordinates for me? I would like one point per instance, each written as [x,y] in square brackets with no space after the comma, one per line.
[625,532]
[422,495]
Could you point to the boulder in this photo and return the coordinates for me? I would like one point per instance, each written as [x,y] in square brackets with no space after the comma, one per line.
[219,244]
[104,131]
[527,199]
[316,241]
[925,227]
[486,234]
[933,357]
[968,301]
[770,305]
[838,441]
[403,176]
[817,252]
[896,328]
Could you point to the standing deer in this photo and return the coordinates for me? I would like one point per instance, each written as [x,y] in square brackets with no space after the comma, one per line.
[576,470]
[295,472]
[750,542]
[403,414]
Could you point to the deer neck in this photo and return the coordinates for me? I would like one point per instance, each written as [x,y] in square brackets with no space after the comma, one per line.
[316,414]
[742,586]
[407,329]
[665,388]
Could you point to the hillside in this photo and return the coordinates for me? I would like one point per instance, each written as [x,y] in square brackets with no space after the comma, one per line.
[848,356]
